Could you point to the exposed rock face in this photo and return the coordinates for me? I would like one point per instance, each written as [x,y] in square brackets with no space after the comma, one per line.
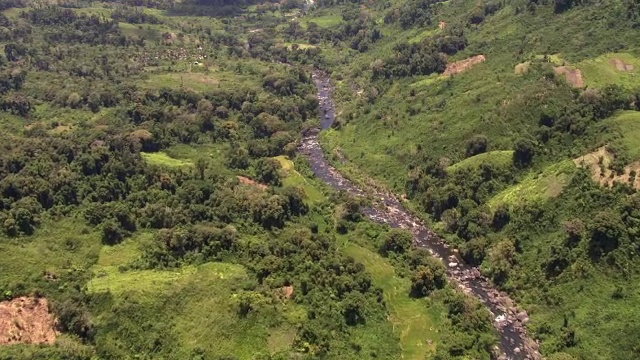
[388,209]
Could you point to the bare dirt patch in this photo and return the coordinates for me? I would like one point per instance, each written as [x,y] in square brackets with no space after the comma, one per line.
[621,65]
[26,320]
[286,292]
[247,181]
[573,76]
[599,163]
[462,65]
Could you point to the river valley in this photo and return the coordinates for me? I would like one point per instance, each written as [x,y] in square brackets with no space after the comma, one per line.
[387,208]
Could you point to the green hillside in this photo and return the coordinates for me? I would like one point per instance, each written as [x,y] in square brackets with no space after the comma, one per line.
[486,149]
[151,191]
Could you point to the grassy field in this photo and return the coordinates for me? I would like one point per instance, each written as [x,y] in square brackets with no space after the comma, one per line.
[414,320]
[500,158]
[194,81]
[205,295]
[182,155]
[324,21]
[536,186]
[629,124]
[162,159]
[58,246]
[602,71]
[294,178]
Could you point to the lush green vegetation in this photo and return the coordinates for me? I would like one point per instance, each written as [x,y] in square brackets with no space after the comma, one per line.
[147,188]
[151,191]
[488,152]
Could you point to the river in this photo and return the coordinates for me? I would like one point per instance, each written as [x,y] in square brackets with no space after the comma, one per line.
[509,320]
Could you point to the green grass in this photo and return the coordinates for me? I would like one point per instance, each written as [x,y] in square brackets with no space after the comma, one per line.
[414,320]
[125,252]
[428,80]
[424,34]
[536,186]
[500,158]
[151,32]
[162,159]
[183,155]
[300,45]
[191,304]
[58,246]
[324,21]
[294,178]
[197,82]
[600,71]
[150,282]
[555,59]
[629,125]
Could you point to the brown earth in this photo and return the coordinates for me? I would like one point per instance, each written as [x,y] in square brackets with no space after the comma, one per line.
[247,181]
[600,160]
[442,25]
[462,65]
[26,320]
[287,291]
[621,65]
[573,76]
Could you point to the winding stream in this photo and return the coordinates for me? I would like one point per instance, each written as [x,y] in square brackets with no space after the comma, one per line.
[509,319]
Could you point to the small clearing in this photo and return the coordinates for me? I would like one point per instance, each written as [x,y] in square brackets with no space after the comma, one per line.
[247,181]
[599,163]
[621,65]
[463,65]
[26,320]
[162,159]
[573,76]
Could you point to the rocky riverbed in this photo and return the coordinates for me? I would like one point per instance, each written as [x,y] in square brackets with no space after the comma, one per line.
[388,209]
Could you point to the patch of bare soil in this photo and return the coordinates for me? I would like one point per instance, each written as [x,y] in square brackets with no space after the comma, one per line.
[621,65]
[26,320]
[599,163]
[247,181]
[286,291]
[462,65]
[573,76]
[442,25]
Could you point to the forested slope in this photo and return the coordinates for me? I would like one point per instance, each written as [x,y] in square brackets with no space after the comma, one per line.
[153,205]
[524,157]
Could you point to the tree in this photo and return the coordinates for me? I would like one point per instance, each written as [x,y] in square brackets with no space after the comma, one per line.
[237,157]
[428,277]
[477,145]
[501,257]
[201,165]
[267,171]
[606,233]
[523,153]
[573,229]
[397,241]
[353,308]
[111,232]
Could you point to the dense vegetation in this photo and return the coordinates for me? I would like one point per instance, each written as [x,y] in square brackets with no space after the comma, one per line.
[488,153]
[147,192]
[146,188]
